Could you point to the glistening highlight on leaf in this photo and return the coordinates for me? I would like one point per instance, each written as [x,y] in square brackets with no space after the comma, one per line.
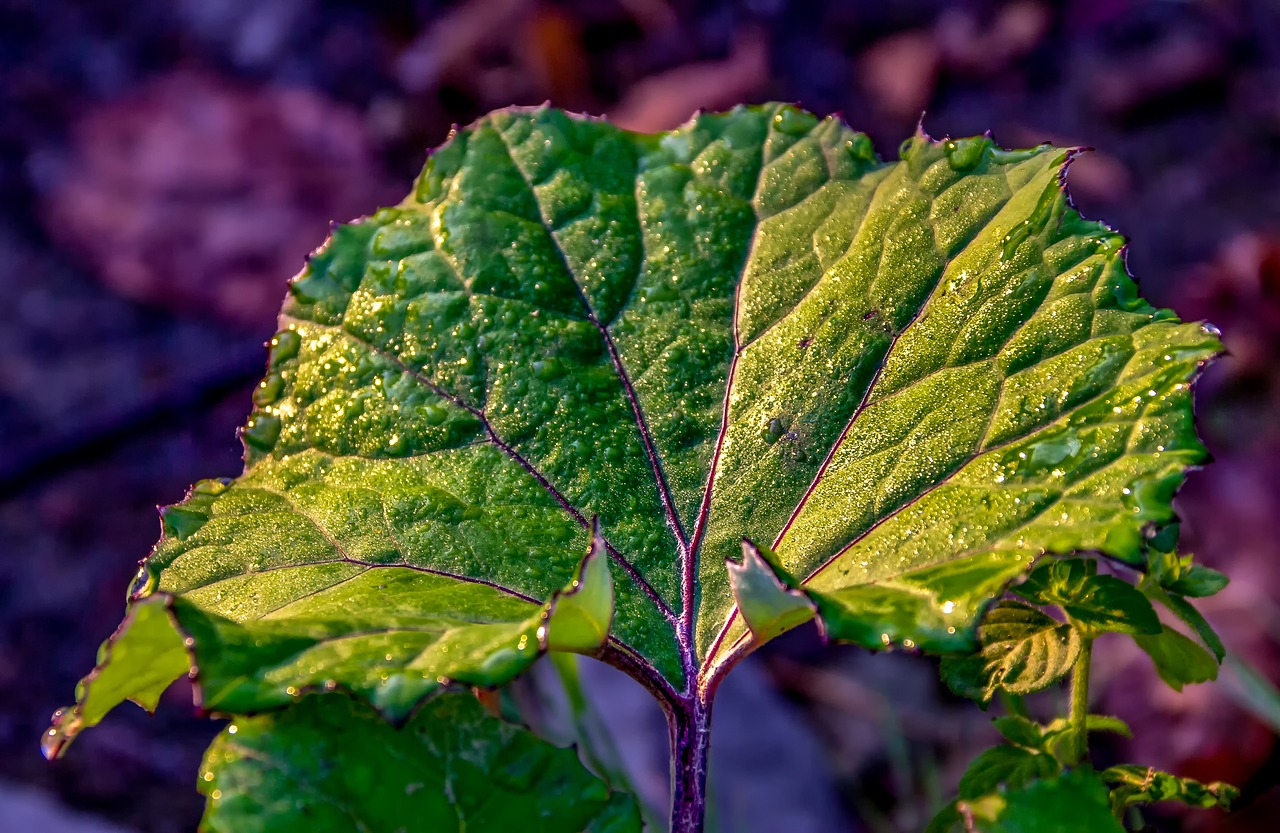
[900,383]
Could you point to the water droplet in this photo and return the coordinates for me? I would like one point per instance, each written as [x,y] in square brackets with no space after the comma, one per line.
[284,346]
[793,121]
[64,726]
[262,431]
[965,154]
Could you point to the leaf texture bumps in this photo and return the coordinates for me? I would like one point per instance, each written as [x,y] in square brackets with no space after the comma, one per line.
[907,380]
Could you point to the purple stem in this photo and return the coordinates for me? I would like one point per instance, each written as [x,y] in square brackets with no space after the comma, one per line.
[689,724]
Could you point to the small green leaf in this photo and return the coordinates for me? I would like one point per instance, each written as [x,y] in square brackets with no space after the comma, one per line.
[1023,651]
[1073,802]
[329,763]
[1198,581]
[1178,660]
[1100,602]
[1009,767]
[1181,576]
[578,617]
[1187,612]
[1131,784]
[1107,723]
[765,598]
[1060,736]
[1020,731]
[1107,603]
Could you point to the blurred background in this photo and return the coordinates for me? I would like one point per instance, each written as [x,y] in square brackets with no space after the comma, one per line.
[165,166]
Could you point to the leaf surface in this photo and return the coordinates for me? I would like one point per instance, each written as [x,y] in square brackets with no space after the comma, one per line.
[330,763]
[1133,784]
[908,380]
[1023,651]
[1069,802]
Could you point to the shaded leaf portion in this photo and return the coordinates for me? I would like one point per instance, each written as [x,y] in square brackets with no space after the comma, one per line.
[1132,784]
[391,634]
[1187,612]
[1009,767]
[1072,801]
[1023,651]
[1179,661]
[330,763]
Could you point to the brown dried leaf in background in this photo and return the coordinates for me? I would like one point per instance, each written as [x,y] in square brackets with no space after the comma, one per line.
[899,72]
[663,101]
[197,194]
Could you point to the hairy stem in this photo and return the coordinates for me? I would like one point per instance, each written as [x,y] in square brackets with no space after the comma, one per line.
[1080,702]
[690,728]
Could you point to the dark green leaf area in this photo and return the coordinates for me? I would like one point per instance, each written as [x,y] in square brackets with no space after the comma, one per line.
[1100,603]
[1181,575]
[1009,767]
[1023,651]
[1178,660]
[1071,801]
[1132,784]
[329,763]
[1055,738]
[1188,613]
[1020,731]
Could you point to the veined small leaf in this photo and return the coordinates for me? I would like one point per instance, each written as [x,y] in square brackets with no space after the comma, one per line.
[1178,660]
[1132,784]
[329,763]
[1099,602]
[1023,651]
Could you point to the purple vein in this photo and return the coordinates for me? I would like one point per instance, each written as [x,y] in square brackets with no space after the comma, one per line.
[642,425]
[978,452]
[542,480]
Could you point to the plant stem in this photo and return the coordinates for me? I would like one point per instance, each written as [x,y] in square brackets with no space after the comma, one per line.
[1080,700]
[690,728]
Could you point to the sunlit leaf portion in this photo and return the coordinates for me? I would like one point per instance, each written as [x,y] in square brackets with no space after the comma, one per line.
[328,763]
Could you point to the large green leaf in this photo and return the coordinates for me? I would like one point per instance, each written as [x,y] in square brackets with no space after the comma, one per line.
[329,764]
[907,380]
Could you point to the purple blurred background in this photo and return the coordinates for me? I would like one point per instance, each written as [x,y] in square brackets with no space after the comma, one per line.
[165,166]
